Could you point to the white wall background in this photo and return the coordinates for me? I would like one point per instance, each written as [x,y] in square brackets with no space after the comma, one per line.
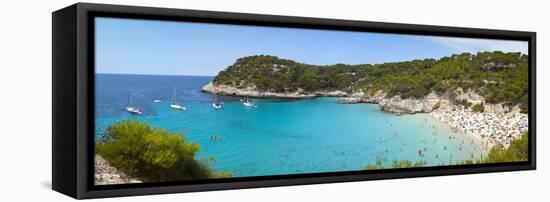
[25,99]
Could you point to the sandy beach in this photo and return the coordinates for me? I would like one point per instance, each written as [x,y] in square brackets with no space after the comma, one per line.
[489,128]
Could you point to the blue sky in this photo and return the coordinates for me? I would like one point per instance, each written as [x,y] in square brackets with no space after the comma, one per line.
[127,46]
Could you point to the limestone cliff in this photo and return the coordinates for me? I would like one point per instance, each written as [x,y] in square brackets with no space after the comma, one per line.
[410,106]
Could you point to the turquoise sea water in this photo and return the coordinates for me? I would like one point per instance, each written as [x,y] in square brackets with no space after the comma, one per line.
[280,136]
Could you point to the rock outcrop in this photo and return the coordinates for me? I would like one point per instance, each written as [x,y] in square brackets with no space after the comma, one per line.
[445,102]
[474,98]
[500,108]
[410,106]
[360,97]
[470,96]
[350,100]
[107,174]
[336,93]
[376,97]
[253,92]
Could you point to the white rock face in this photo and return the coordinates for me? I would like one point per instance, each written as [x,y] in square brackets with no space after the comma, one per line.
[500,108]
[446,103]
[376,97]
[410,106]
[471,96]
[336,93]
[350,100]
[361,97]
[474,98]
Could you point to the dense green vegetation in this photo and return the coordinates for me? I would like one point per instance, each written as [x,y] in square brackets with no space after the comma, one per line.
[152,155]
[517,151]
[478,108]
[499,77]
[464,103]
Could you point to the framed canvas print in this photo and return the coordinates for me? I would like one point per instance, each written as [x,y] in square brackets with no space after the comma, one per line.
[155,100]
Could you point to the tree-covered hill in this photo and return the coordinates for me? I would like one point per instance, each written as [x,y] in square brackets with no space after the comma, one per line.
[499,77]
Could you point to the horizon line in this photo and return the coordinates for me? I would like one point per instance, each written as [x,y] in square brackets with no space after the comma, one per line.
[145,74]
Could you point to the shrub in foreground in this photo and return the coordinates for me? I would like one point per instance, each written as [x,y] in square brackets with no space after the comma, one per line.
[151,154]
[517,151]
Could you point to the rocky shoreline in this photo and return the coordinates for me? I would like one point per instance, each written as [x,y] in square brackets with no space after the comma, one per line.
[252,92]
[394,104]
[106,174]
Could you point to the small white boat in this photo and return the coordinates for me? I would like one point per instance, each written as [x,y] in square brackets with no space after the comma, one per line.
[247,103]
[133,110]
[175,105]
[157,101]
[216,104]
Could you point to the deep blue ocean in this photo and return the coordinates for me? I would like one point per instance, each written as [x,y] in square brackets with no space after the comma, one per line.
[279,136]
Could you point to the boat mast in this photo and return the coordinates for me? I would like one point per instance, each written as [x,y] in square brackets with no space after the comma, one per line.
[129,94]
[174,95]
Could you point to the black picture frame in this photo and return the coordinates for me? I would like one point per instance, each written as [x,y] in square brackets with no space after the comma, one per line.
[73,99]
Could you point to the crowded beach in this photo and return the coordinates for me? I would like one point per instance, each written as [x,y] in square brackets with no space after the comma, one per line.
[489,128]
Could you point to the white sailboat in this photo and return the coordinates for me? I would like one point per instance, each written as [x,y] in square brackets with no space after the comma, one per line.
[175,105]
[247,103]
[157,101]
[132,109]
[216,104]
